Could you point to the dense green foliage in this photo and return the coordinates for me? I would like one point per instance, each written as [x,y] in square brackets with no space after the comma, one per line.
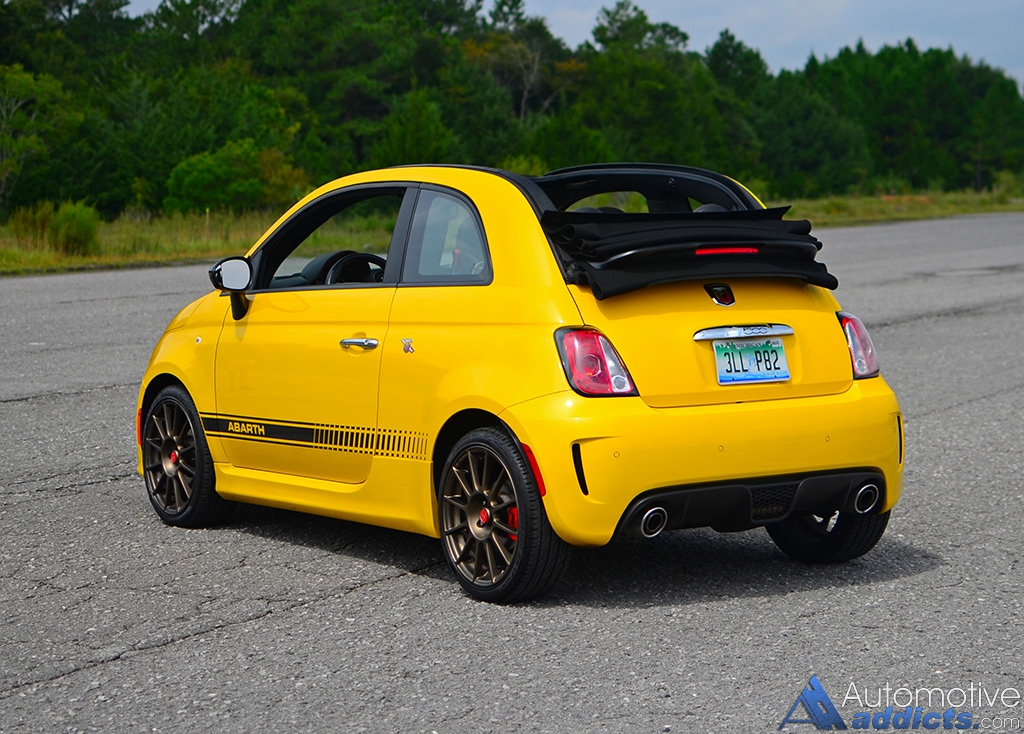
[243,104]
[73,229]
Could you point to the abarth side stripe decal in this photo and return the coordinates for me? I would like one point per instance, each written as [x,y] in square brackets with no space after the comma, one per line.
[239,427]
[401,444]
[390,442]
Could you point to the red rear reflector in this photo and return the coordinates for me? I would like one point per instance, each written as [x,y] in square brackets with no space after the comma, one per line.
[536,474]
[726,251]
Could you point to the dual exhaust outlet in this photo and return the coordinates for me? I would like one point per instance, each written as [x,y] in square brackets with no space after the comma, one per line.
[862,501]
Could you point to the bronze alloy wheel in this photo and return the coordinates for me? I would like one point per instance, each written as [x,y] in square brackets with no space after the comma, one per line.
[176,463]
[169,456]
[496,535]
[480,515]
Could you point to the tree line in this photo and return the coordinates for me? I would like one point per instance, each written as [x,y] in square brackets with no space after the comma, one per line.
[241,104]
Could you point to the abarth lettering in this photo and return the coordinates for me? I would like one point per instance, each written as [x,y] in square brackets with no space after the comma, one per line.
[252,429]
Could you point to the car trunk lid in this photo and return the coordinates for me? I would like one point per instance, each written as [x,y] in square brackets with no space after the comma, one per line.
[667,336]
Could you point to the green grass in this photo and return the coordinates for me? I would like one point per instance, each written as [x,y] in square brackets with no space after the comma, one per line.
[134,241]
[860,210]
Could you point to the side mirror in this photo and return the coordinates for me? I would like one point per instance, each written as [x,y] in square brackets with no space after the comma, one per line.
[233,275]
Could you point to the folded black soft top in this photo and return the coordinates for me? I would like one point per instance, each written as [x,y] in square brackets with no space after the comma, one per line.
[615,253]
[699,225]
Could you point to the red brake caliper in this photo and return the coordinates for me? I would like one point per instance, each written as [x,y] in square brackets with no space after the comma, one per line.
[513,520]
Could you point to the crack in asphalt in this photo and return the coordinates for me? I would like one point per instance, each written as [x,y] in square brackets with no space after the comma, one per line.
[917,277]
[25,494]
[969,401]
[138,649]
[190,294]
[68,394]
[946,313]
[64,475]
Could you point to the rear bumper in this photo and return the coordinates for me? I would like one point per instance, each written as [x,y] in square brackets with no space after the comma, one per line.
[606,460]
[741,505]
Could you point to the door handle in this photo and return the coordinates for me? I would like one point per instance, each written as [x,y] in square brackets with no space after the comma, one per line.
[364,343]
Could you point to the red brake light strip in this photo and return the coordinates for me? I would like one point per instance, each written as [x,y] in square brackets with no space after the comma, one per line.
[726,251]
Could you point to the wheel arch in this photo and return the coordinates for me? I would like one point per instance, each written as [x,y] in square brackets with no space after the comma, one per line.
[457,426]
[146,398]
[158,383]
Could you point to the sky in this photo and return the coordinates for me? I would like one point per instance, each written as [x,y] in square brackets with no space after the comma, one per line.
[787,32]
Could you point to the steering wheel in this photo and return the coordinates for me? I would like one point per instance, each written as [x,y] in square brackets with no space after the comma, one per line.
[334,275]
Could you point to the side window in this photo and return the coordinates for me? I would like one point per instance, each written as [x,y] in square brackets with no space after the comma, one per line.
[446,242]
[343,238]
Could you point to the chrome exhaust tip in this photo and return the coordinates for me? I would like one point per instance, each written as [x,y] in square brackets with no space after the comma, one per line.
[653,522]
[866,499]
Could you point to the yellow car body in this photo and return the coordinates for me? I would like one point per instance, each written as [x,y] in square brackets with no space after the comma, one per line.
[345,399]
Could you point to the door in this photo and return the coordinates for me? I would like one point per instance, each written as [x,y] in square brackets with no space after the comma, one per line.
[297,375]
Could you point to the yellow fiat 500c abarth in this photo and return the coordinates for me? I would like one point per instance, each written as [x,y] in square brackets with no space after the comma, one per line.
[505,363]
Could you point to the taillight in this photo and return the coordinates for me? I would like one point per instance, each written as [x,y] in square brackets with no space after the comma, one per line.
[862,351]
[592,364]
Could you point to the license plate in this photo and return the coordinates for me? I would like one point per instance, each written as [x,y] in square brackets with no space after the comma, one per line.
[750,360]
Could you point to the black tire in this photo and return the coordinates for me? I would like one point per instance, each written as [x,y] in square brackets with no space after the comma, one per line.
[495,533]
[840,537]
[176,463]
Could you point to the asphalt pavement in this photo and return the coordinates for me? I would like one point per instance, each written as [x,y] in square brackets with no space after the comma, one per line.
[111,621]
